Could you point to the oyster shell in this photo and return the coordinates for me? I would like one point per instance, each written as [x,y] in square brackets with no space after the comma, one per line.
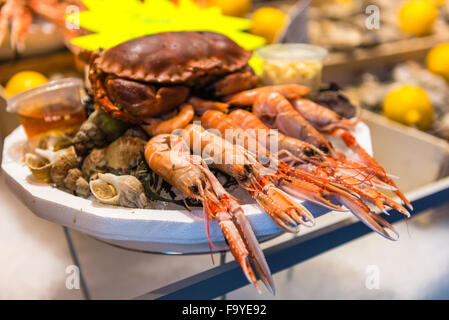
[124,190]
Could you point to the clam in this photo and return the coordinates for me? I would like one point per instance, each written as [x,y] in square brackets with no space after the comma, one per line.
[124,190]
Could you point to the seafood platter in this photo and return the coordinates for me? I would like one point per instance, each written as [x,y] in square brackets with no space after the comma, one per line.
[173,145]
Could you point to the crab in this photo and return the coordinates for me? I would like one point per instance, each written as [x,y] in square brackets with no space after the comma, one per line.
[149,76]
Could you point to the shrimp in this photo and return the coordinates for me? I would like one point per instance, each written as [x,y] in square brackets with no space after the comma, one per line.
[359,188]
[248,97]
[158,126]
[275,111]
[328,122]
[201,105]
[169,157]
[302,187]
[295,149]
[20,16]
[251,176]
[271,105]
[322,118]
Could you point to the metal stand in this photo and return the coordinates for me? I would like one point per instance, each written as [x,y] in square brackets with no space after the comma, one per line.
[75,260]
[222,262]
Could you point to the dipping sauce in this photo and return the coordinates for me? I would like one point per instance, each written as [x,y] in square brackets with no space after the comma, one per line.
[37,120]
[55,105]
[292,63]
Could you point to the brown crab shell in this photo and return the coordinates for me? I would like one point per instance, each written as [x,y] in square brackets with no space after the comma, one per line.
[174,57]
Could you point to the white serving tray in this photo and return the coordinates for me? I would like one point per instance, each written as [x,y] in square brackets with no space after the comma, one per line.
[164,231]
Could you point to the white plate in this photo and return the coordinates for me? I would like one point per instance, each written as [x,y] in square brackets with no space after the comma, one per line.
[168,231]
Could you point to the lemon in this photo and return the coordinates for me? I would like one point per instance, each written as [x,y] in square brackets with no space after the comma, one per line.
[268,23]
[22,81]
[437,60]
[417,17]
[236,8]
[410,105]
[439,3]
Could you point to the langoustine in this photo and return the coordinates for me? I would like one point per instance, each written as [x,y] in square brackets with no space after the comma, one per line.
[169,157]
[251,176]
[272,106]
[324,183]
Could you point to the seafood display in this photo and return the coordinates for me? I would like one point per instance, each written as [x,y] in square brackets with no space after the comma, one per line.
[16,17]
[342,25]
[406,73]
[173,111]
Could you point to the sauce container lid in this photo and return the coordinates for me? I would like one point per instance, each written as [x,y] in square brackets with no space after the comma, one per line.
[292,51]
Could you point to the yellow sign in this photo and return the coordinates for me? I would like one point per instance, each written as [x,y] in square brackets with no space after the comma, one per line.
[115,21]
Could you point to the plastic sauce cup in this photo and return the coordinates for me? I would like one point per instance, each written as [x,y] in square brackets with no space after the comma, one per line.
[54,105]
[292,63]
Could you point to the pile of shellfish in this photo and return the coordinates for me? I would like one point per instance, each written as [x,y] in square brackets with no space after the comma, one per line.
[183,106]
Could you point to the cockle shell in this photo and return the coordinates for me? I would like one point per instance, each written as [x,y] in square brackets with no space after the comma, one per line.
[124,190]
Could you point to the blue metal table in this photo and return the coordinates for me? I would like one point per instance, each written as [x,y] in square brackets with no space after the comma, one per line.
[227,277]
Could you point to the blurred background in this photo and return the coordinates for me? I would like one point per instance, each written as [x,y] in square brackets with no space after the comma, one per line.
[389,58]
